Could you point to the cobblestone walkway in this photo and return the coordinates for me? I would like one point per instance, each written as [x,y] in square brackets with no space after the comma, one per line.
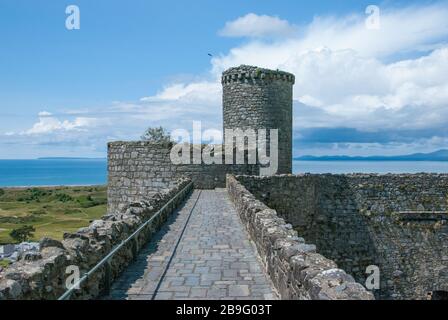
[213,260]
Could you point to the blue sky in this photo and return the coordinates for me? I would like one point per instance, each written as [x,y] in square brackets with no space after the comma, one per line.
[140,63]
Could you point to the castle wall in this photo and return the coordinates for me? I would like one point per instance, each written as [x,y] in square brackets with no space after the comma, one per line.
[255,98]
[139,169]
[296,269]
[42,275]
[397,222]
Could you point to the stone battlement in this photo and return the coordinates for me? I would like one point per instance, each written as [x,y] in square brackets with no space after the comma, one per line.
[295,268]
[42,275]
[246,73]
[396,222]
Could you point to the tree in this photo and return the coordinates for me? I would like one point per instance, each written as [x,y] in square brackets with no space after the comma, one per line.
[2,192]
[22,234]
[156,135]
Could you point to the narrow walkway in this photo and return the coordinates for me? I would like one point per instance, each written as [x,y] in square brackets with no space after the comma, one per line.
[214,259]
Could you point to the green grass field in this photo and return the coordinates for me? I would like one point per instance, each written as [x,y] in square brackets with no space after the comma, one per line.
[51,211]
[4,263]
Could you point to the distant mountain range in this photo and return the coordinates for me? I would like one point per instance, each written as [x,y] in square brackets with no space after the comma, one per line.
[440,155]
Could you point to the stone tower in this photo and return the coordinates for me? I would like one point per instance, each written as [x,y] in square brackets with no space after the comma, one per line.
[255,98]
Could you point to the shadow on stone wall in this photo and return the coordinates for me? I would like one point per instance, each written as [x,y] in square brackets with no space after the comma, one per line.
[296,269]
[124,286]
[43,275]
[340,232]
[396,222]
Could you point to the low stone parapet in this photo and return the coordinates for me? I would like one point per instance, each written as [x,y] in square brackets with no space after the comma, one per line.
[296,270]
[396,223]
[43,275]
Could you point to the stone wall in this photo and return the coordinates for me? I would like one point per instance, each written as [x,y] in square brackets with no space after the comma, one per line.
[297,271]
[256,98]
[253,98]
[43,275]
[138,169]
[397,222]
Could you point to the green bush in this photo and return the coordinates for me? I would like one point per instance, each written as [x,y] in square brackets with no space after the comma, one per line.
[39,212]
[2,192]
[18,220]
[72,211]
[63,197]
[89,202]
[156,135]
[22,234]
[4,263]
[34,194]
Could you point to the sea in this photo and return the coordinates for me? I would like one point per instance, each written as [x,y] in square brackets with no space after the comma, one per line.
[53,172]
[76,172]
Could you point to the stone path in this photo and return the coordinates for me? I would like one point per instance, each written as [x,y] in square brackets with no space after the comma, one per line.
[213,260]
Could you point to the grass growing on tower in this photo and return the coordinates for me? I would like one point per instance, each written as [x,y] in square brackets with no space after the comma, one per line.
[4,263]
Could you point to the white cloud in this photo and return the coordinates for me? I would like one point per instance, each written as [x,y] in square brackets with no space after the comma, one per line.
[406,29]
[394,78]
[346,74]
[369,94]
[367,149]
[44,114]
[258,26]
[48,124]
[352,76]
[310,101]
[197,92]
[402,31]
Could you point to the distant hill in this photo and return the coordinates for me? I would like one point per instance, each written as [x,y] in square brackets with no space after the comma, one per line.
[440,155]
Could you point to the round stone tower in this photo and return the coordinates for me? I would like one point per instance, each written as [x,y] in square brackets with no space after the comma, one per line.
[256,98]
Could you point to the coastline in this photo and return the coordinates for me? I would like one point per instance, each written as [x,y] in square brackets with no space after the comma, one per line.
[82,173]
[52,186]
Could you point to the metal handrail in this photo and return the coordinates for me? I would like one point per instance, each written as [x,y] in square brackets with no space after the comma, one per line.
[106,260]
